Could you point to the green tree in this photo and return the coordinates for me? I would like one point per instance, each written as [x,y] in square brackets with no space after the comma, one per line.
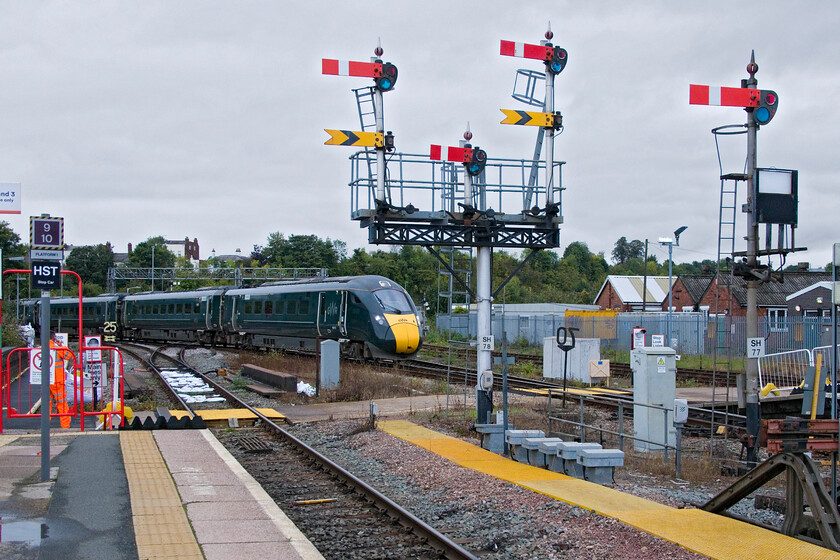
[91,263]
[625,250]
[142,254]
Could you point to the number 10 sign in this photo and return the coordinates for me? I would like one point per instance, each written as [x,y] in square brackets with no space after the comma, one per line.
[46,233]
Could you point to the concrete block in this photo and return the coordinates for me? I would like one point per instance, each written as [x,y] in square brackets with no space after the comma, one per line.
[516,436]
[599,464]
[568,451]
[536,457]
[492,437]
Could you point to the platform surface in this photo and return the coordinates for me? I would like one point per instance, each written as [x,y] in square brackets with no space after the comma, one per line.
[712,535]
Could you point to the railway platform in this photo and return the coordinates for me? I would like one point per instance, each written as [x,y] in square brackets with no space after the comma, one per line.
[712,535]
[162,494]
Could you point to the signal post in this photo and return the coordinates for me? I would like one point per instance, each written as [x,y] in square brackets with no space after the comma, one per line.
[449,220]
[778,208]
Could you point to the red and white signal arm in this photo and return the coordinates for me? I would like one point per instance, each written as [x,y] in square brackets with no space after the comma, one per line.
[92,353]
[525,50]
[332,67]
[449,153]
[723,96]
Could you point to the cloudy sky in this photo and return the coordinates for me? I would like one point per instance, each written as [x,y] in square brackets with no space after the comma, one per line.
[205,118]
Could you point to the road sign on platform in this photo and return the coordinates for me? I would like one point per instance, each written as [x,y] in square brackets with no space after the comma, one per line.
[530,118]
[524,50]
[46,233]
[355,138]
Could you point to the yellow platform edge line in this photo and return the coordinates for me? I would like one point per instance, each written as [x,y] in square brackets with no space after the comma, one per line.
[153,492]
[705,533]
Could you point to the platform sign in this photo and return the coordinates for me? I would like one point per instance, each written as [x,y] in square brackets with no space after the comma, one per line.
[46,233]
[9,198]
[35,366]
[46,275]
[355,138]
[638,338]
[755,347]
[657,340]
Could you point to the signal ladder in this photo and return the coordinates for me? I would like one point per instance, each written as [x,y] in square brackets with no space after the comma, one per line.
[367,120]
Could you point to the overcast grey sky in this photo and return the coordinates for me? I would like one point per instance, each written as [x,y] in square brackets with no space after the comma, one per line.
[205,118]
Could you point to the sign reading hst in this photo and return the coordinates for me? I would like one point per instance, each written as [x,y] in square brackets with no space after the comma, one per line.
[755,347]
[46,275]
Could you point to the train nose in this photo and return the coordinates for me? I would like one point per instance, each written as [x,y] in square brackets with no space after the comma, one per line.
[406,337]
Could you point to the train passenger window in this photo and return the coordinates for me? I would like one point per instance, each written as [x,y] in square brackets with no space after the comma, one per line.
[258,307]
[171,308]
[154,309]
[179,308]
[269,307]
[197,307]
[280,307]
[304,307]
[249,307]
[291,307]
[187,308]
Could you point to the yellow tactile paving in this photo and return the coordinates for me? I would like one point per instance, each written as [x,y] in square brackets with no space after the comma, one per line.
[712,535]
[225,413]
[161,528]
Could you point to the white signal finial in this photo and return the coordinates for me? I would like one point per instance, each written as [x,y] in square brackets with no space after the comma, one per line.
[378,50]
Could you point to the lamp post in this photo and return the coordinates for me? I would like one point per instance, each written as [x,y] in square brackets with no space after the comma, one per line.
[153,268]
[671,243]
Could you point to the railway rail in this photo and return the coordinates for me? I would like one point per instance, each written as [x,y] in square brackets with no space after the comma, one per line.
[353,520]
[702,376]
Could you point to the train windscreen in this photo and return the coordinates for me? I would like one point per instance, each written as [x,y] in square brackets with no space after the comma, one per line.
[393,301]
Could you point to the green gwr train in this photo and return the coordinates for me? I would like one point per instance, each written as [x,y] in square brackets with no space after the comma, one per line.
[370,316]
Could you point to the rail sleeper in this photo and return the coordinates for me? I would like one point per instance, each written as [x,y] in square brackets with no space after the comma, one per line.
[599,464]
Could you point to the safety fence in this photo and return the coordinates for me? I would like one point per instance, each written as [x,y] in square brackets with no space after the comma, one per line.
[691,333]
[786,370]
[84,391]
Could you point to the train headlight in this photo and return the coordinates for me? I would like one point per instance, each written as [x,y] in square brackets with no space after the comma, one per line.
[379,319]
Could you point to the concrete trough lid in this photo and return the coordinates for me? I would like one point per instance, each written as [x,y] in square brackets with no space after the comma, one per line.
[534,443]
[489,428]
[569,449]
[601,457]
[516,436]
[550,447]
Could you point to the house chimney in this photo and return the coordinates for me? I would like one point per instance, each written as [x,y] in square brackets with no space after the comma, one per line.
[129,248]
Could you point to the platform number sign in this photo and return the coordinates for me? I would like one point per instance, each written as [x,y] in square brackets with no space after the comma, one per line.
[486,342]
[46,233]
[755,347]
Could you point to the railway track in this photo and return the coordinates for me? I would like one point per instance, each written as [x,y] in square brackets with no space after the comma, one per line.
[702,376]
[342,516]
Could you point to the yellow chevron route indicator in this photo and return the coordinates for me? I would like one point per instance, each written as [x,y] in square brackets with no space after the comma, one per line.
[531,118]
[354,138]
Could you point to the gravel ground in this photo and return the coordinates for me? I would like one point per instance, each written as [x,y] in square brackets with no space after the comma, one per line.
[507,521]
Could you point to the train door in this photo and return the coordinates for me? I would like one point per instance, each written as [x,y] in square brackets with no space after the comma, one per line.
[332,310]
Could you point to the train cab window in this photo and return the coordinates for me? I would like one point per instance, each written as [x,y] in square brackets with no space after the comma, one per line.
[354,298]
[269,307]
[258,306]
[393,301]
[179,308]
[249,307]
[198,307]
